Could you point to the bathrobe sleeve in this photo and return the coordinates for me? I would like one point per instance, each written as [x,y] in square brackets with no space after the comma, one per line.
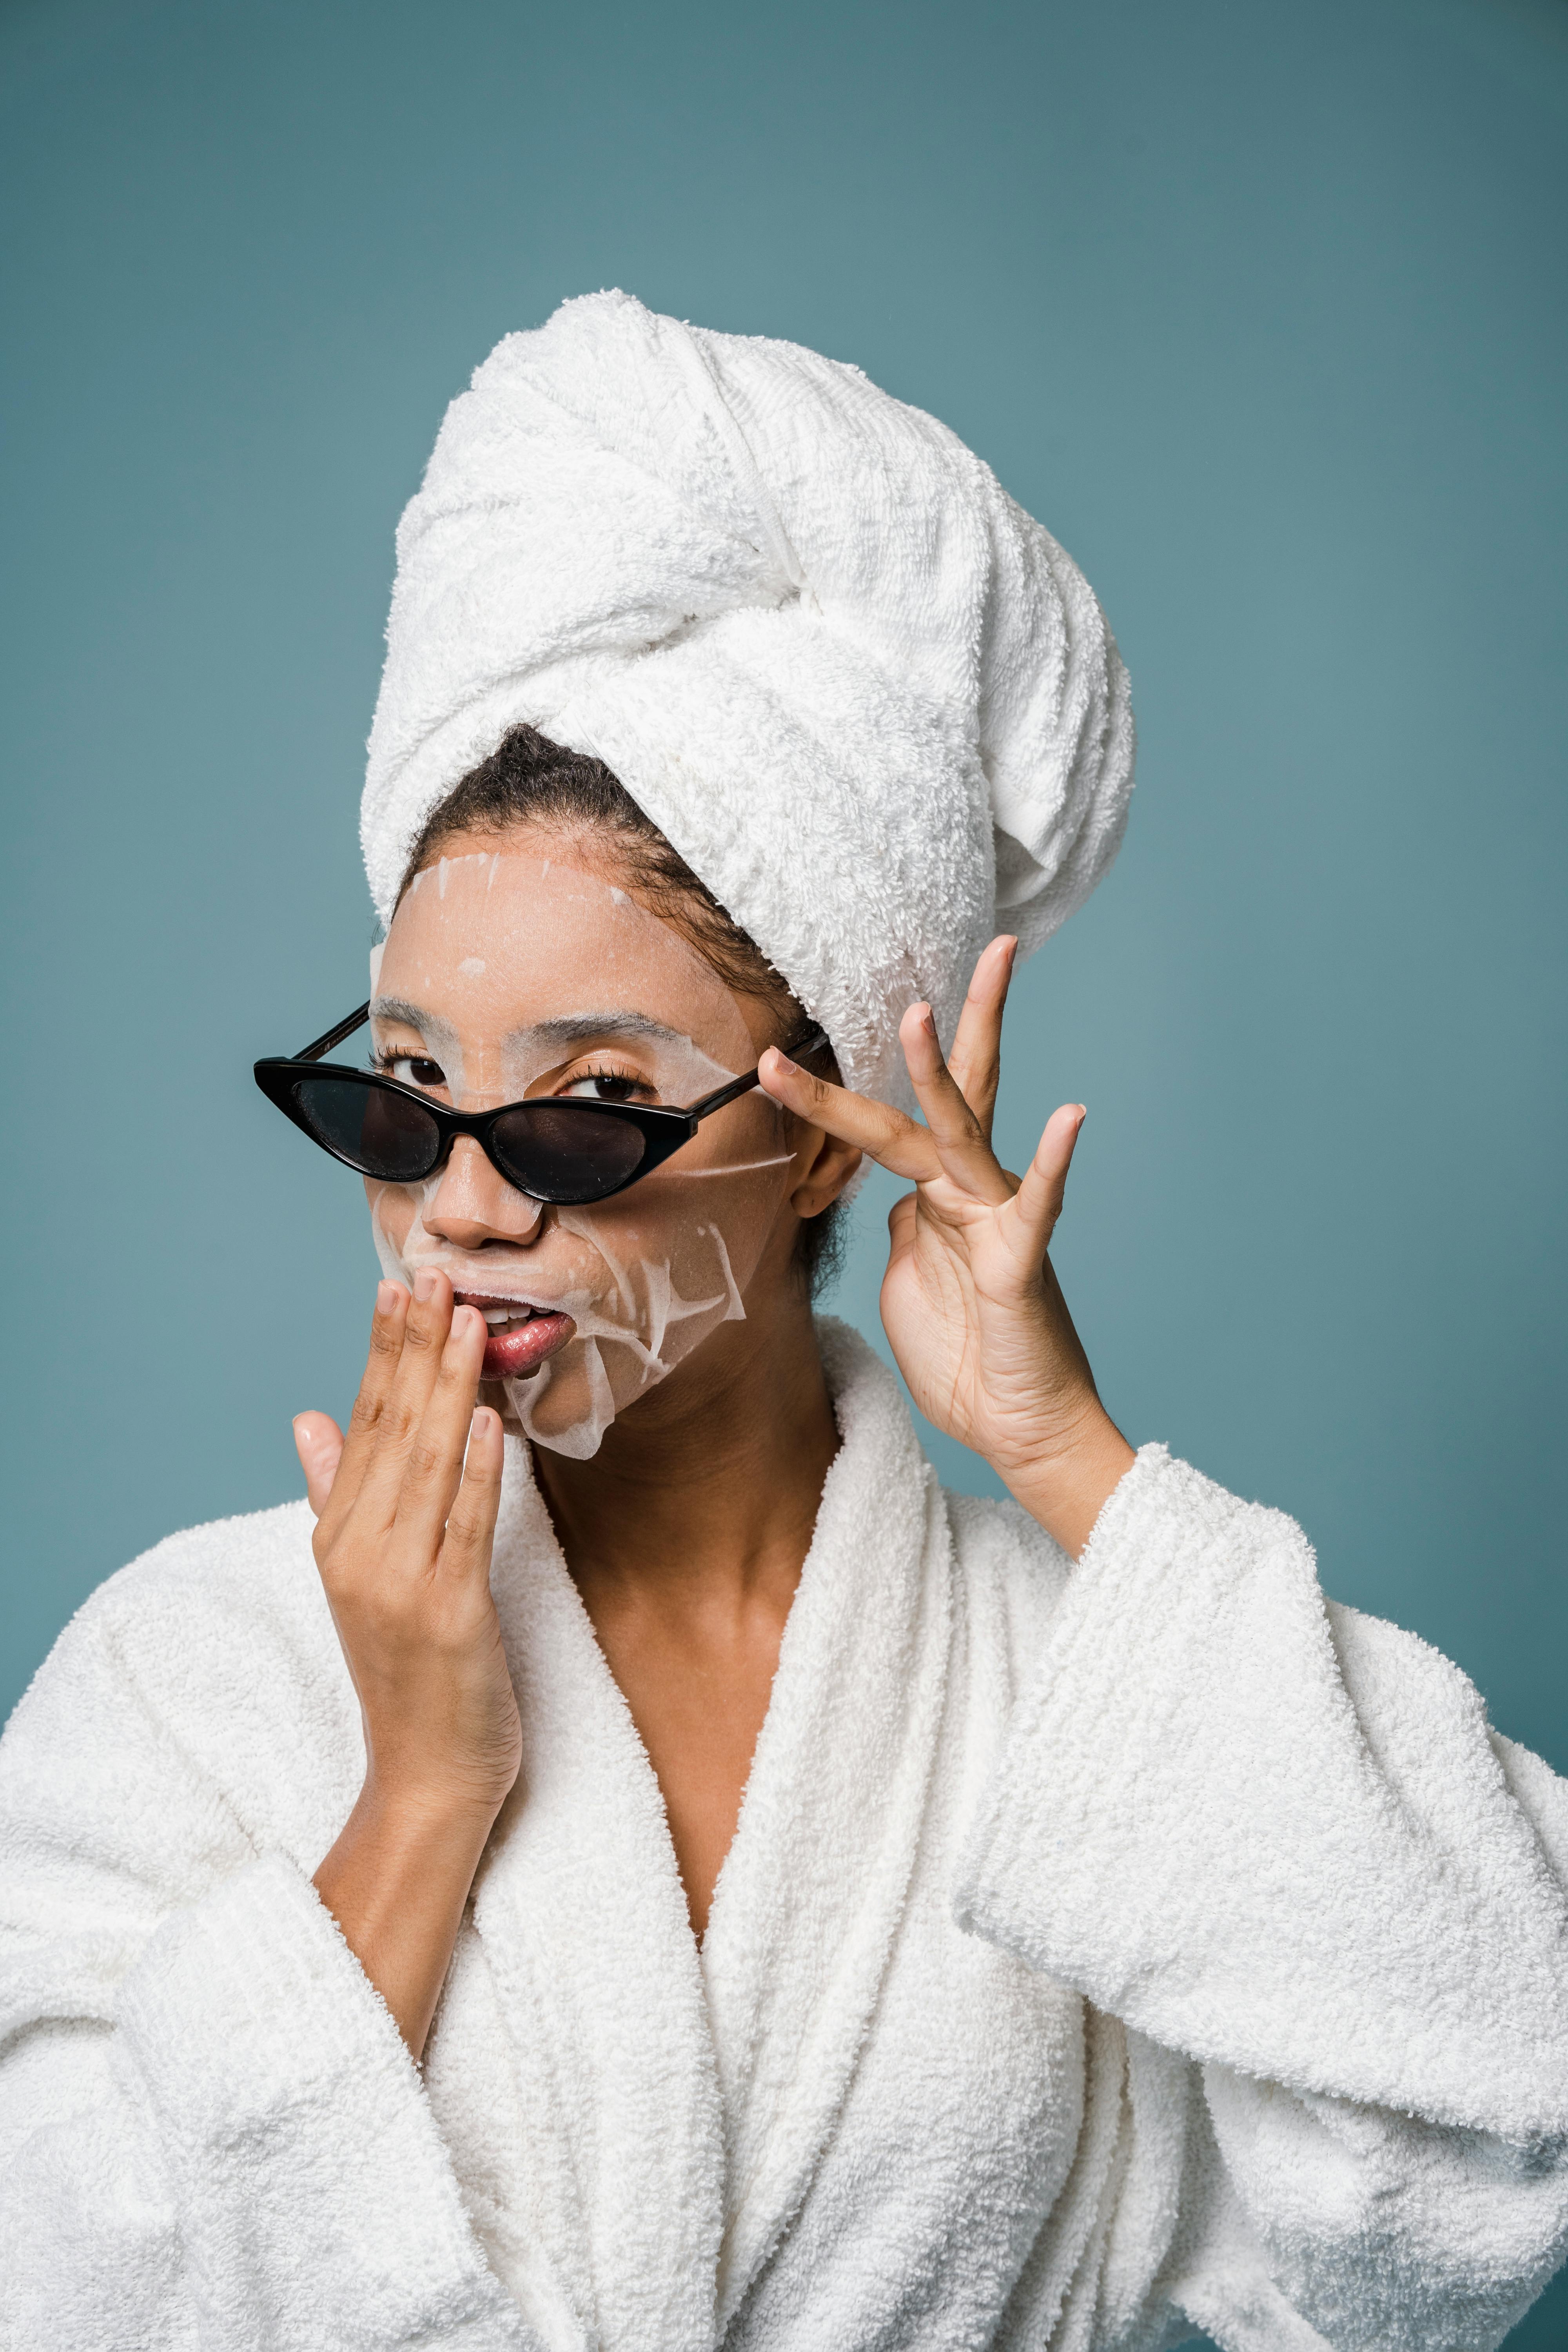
[1318,1908]
[211,2134]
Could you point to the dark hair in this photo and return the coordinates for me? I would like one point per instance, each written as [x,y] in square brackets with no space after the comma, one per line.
[529,780]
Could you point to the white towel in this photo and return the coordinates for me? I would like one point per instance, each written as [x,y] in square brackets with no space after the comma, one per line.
[871,701]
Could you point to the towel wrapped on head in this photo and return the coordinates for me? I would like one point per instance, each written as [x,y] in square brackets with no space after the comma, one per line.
[869,700]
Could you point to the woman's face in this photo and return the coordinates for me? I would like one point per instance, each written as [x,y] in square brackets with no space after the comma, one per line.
[518,969]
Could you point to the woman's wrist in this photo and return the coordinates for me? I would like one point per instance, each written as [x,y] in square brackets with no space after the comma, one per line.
[396,1882]
[449,1808]
[1066,1483]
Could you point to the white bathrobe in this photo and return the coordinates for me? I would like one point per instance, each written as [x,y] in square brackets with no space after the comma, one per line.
[1105,1952]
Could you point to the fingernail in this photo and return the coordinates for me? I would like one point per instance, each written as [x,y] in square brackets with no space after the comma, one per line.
[928,1019]
[423,1284]
[785,1064]
[385,1297]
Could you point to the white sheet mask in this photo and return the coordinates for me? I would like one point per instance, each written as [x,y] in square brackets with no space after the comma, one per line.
[520,976]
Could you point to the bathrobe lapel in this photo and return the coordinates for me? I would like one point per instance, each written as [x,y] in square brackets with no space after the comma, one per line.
[811,1894]
[583,1922]
[672,2108]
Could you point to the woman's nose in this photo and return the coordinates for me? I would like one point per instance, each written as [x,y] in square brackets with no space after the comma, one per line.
[474,1203]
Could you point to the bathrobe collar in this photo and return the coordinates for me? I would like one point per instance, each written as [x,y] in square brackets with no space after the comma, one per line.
[691,2094]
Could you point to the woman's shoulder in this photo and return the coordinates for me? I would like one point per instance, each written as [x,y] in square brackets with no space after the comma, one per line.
[251,1570]
[195,1713]
[996,1535]
[216,1620]
[1009,1569]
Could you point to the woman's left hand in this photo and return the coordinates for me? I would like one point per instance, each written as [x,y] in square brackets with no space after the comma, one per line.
[970,1300]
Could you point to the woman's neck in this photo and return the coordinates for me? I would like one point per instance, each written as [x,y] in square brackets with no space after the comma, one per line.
[686,1535]
[711,1484]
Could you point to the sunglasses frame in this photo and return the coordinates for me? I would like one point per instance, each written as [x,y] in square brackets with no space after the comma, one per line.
[664,1128]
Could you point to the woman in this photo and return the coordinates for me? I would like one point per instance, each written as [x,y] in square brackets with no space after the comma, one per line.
[662,1873]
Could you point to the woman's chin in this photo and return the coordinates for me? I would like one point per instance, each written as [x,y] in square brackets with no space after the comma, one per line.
[553,1404]
[495,1395]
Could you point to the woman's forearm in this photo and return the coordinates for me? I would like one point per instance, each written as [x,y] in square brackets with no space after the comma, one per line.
[396,1882]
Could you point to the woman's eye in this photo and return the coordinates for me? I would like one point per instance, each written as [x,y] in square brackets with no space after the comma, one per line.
[416,1070]
[606,1085]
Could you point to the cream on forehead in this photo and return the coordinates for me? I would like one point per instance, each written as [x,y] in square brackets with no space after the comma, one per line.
[503,947]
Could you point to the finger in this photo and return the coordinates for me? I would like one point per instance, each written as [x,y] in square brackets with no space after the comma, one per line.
[885,1135]
[434,1463]
[424,1330]
[1039,1204]
[387,1329]
[962,1146]
[319,1442]
[471,1521]
[976,1060]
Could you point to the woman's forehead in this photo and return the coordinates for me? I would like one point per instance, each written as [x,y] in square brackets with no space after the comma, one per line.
[504,941]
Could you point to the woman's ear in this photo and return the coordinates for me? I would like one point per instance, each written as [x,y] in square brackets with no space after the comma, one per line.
[826,1166]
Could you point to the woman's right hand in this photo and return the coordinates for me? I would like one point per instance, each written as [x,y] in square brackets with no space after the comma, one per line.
[403,1543]
[403,1540]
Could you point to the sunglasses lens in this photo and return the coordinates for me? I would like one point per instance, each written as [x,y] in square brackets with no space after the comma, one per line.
[566,1151]
[378,1132]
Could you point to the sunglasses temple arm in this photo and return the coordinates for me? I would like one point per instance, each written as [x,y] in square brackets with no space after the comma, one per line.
[334,1036]
[806,1043]
[736,1088]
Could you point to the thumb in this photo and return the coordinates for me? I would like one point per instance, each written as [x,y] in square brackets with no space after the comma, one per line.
[319,1442]
[902,1219]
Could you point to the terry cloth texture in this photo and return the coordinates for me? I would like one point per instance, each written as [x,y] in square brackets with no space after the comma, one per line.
[1103,1953]
[871,702]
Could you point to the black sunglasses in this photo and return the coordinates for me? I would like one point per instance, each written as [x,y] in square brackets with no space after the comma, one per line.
[567,1151]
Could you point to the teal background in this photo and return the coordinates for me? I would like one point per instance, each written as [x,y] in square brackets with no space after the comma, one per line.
[1260,306]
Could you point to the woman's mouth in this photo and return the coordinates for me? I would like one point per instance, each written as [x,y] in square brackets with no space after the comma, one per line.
[519,1336]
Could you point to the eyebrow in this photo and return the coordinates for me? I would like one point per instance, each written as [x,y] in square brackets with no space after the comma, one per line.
[582,1028]
[567,1030]
[396,1008]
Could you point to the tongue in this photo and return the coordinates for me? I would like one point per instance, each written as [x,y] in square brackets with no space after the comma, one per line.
[515,1349]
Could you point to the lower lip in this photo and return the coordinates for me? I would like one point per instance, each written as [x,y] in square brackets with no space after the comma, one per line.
[512,1355]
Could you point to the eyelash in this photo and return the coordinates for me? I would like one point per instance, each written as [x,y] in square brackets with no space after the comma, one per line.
[633,1080]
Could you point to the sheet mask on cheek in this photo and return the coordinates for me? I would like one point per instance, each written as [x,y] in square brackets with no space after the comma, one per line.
[528,973]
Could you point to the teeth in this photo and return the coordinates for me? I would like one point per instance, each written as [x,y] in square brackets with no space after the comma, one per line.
[497,1314]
